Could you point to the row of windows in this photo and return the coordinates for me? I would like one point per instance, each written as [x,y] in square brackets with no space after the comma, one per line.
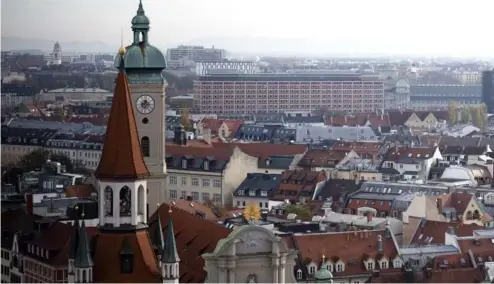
[5,255]
[173,180]
[194,195]
[262,205]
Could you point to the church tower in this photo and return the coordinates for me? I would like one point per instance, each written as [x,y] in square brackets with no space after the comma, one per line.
[57,54]
[143,65]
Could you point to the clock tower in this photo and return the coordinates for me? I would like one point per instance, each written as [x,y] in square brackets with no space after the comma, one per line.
[143,65]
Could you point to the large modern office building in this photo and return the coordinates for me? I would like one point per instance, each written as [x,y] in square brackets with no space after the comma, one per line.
[423,97]
[189,55]
[271,93]
[488,90]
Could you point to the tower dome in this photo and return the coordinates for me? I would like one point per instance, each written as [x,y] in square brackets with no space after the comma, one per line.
[323,275]
[141,54]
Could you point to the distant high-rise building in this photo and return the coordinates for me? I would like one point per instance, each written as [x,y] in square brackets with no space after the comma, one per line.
[488,90]
[187,55]
[274,93]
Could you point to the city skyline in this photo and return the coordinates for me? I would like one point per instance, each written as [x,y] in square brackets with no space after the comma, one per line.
[280,27]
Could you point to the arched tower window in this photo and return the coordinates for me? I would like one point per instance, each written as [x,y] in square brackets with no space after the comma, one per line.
[125,201]
[108,201]
[84,276]
[140,200]
[145,146]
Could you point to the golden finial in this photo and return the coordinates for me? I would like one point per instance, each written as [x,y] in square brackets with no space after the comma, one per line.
[323,258]
[121,50]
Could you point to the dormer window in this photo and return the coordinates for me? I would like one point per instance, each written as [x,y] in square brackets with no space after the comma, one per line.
[184,163]
[206,165]
[312,269]
[299,274]
[339,267]
[241,192]
[370,265]
[252,192]
[384,264]
[264,193]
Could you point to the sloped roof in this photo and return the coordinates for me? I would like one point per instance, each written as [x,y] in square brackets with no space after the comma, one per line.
[107,247]
[122,155]
[194,237]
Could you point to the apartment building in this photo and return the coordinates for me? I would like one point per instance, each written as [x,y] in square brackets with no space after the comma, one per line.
[467,77]
[439,96]
[268,93]
[187,55]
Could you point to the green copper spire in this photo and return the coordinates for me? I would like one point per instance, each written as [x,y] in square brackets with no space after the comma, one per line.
[170,254]
[157,237]
[83,255]
[323,275]
[140,21]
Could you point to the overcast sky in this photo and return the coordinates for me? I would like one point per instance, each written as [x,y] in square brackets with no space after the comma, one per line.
[389,26]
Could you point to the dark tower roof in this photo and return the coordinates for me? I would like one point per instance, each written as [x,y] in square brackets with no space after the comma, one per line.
[122,155]
[157,237]
[170,254]
[74,239]
[83,255]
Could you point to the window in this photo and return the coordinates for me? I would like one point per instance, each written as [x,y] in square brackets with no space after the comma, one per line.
[339,267]
[299,274]
[145,146]
[401,166]
[384,264]
[312,269]
[329,267]
[252,192]
[184,163]
[205,196]
[173,194]
[266,204]
[195,182]
[264,193]
[172,180]
[240,192]
[370,265]
[217,183]
[184,194]
[217,198]
[195,195]
[205,182]
[397,263]
[206,165]
[126,263]
[184,180]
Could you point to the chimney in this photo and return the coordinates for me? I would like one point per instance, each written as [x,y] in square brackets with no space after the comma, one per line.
[379,243]
[29,203]
[206,136]
[451,231]
[439,203]
[19,184]
[178,135]
[369,217]
[342,226]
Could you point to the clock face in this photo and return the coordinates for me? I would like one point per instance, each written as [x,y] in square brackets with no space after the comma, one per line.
[145,104]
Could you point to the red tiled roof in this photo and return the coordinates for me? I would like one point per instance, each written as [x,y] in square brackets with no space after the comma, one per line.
[122,155]
[106,258]
[356,245]
[265,150]
[456,200]
[193,207]
[302,182]
[358,147]
[396,153]
[194,236]
[321,158]
[356,203]
[460,275]
[233,125]
[437,230]
[81,190]
[212,124]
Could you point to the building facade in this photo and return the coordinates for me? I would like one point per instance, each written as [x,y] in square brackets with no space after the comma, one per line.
[268,93]
[187,55]
[488,90]
[439,96]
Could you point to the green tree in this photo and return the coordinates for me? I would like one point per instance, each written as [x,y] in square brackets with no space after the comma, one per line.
[33,160]
[303,212]
[64,161]
[59,114]
[452,113]
[185,119]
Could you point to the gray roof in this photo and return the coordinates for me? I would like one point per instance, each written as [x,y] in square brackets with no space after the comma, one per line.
[259,182]
[276,162]
[446,90]
[377,188]
[347,133]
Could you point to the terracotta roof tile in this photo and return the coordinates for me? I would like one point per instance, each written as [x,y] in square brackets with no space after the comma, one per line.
[212,124]
[346,246]
[106,258]
[193,207]
[302,182]
[195,236]
[122,157]
[265,150]
[321,158]
[81,190]
[456,200]
[233,126]
[437,230]
[397,153]
[460,275]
